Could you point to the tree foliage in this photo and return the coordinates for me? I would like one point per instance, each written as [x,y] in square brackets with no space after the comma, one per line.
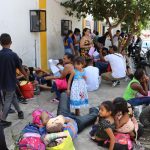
[134,13]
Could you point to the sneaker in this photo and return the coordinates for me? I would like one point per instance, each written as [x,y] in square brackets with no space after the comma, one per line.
[11,111]
[4,123]
[20,115]
[22,100]
[115,83]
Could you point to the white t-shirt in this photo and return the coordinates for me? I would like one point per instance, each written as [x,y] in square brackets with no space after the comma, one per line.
[117,65]
[93,78]
[115,41]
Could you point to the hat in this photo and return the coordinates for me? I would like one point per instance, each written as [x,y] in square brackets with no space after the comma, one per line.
[115,48]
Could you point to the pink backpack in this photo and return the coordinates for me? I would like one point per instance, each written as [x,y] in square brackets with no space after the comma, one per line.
[124,139]
[31,143]
[36,114]
[61,84]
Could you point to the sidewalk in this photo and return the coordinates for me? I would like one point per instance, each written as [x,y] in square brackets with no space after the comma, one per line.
[106,92]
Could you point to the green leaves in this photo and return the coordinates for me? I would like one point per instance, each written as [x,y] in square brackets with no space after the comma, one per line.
[134,13]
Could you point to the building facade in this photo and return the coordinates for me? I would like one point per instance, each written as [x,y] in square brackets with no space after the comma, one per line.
[34,47]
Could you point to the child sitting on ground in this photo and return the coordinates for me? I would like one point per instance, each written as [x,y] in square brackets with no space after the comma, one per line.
[124,120]
[104,125]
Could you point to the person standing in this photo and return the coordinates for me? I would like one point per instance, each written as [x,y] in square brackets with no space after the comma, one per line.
[68,43]
[116,38]
[76,40]
[9,62]
[86,43]
[78,93]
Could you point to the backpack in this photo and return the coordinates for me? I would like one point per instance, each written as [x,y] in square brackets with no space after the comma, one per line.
[31,143]
[36,114]
[122,141]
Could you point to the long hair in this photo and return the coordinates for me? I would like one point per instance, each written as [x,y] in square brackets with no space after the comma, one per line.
[84,30]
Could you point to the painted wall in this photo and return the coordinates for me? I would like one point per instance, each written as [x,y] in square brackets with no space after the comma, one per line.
[14,19]
[56,13]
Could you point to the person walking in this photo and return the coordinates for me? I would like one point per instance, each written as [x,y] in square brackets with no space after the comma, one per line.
[9,62]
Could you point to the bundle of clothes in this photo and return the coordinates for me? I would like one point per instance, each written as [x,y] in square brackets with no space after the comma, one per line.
[44,131]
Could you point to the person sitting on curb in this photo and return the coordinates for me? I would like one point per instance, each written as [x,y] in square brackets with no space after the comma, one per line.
[139,84]
[117,65]
[65,74]
[93,79]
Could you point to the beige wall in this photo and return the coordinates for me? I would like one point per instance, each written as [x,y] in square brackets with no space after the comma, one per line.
[56,13]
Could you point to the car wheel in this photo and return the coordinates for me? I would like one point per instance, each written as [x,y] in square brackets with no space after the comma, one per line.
[145,117]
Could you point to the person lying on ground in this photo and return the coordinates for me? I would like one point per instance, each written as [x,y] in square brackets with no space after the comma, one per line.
[36,76]
[66,120]
[139,84]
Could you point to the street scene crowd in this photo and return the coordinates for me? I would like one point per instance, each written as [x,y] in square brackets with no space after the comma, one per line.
[87,61]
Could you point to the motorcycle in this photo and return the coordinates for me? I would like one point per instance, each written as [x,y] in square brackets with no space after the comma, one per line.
[145,116]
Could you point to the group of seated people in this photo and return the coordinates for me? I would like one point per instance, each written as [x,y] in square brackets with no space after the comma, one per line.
[111,117]
[108,121]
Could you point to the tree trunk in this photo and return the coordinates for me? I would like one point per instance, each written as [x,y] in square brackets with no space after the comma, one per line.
[109,30]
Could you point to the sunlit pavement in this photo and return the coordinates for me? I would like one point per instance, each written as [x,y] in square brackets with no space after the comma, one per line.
[83,142]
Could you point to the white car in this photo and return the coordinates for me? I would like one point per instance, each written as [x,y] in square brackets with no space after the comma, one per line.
[145,45]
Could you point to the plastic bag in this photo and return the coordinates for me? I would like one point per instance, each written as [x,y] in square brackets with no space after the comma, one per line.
[66,145]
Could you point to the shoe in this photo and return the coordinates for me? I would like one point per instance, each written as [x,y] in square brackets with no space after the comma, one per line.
[20,115]
[4,123]
[127,79]
[115,83]
[54,100]
[22,100]
[11,111]
[94,110]
[37,91]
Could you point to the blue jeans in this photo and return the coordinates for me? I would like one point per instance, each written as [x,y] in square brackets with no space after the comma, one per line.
[82,121]
[68,50]
[58,93]
[139,101]
[102,66]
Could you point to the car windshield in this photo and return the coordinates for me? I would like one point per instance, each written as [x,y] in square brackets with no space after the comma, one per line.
[146,44]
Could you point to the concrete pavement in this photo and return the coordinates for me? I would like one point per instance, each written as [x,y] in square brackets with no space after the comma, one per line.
[105,92]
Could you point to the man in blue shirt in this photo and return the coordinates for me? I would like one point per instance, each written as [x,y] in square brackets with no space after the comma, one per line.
[9,62]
